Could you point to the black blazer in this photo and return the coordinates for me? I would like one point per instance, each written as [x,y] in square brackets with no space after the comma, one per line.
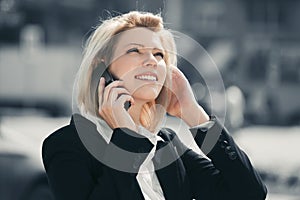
[75,172]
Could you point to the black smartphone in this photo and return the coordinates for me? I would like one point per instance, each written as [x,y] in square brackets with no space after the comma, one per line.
[108,77]
[102,70]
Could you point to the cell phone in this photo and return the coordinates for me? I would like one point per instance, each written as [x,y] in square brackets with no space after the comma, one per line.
[102,71]
[108,77]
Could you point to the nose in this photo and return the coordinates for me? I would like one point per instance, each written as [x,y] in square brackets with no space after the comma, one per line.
[149,60]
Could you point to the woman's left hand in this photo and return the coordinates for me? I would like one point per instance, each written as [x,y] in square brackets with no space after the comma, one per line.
[182,102]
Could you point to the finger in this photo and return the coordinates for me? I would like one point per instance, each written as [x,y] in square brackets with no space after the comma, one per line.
[174,69]
[108,88]
[100,90]
[176,73]
[124,98]
[116,92]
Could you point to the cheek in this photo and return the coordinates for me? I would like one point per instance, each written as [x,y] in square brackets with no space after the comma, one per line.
[123,67]
[119,69]
[162,71]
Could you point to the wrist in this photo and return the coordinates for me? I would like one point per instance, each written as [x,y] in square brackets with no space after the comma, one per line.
[195,116]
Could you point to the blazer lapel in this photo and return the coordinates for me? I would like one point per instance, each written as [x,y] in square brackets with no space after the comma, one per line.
[170,171]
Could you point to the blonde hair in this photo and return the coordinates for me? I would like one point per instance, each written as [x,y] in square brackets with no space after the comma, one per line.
[101,44]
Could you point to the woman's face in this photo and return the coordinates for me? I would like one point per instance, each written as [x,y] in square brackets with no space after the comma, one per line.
[138,61]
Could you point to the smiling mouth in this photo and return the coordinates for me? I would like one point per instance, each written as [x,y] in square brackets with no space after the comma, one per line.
[146,77]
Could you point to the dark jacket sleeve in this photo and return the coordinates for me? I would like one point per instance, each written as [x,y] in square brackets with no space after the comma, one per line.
[227,175]
[74,174]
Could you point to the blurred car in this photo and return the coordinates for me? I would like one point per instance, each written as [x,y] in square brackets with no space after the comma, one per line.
[22,175]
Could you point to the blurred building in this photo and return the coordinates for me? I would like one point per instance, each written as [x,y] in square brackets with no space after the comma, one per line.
[255,44]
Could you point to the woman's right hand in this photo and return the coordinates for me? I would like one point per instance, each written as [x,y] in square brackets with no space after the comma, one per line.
[111,104]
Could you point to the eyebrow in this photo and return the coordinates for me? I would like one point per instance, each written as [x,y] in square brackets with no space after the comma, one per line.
[141,45]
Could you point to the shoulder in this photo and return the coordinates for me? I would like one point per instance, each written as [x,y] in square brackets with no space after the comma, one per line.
[79,139]
[63,142]
[61,137]
[69,136]
[65,139]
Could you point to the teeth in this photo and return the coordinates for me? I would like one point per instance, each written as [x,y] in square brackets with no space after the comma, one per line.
[146,77]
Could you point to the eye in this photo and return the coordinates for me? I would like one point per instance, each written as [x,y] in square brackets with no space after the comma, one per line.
[135,50]
[159,54]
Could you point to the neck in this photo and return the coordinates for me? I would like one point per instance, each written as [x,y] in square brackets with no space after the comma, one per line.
[135,111]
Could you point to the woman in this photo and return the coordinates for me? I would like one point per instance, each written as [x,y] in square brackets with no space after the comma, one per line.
[110,151]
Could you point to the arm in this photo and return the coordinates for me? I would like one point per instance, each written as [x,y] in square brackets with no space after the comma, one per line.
[73,173]
[229,174]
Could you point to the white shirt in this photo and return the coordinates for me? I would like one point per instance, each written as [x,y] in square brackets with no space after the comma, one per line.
[146,176]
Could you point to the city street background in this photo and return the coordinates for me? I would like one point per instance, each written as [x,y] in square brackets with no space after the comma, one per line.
[254,44]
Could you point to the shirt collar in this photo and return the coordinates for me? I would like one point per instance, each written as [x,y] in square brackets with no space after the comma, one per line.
[106,132]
